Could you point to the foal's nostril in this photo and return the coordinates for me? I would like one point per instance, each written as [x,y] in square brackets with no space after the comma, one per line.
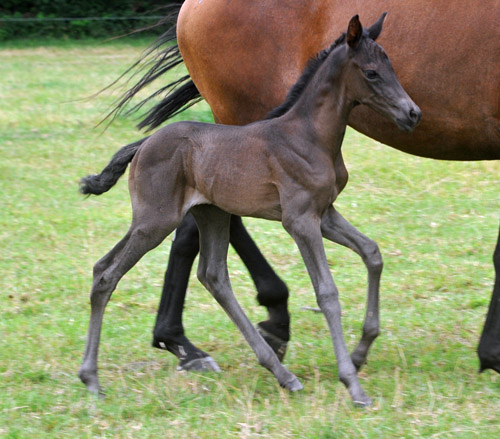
[415,115]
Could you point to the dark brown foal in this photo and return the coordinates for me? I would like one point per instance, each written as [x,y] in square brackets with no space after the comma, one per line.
[288,168]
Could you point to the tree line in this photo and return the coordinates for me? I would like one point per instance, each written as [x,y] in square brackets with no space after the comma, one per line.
[79,18]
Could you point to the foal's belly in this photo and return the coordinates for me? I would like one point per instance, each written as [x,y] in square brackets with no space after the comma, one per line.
[257,202]
[237,180]
[242,196]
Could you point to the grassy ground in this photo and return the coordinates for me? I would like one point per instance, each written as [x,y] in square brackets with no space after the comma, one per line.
[436,223]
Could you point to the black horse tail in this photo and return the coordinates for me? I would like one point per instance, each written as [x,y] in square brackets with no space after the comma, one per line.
[103,182]
[162,56]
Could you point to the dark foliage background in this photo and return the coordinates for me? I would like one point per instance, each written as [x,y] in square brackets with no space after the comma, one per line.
[76,14]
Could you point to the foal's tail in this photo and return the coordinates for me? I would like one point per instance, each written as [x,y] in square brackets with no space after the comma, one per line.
[103,182]
[162,56]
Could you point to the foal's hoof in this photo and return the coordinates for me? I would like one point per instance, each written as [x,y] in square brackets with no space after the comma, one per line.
[92,383]
[362,402]
[204,364]
[277,344]
[294,385]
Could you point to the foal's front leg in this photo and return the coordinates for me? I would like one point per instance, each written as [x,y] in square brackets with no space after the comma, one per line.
[272,292]
[335,228]
[213,224]
[306,231]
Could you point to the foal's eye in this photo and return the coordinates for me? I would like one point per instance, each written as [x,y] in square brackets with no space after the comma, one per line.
[371,74]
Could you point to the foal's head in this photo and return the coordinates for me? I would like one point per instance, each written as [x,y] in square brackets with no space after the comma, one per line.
[372,80]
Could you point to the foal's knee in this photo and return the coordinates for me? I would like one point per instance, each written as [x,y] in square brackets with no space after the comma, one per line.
[101,265]
[373,257]
[327,299]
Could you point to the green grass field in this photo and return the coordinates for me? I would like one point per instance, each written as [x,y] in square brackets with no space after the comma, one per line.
[436,223]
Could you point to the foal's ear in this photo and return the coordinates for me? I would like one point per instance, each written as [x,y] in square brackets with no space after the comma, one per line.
[354,32]
[375,29]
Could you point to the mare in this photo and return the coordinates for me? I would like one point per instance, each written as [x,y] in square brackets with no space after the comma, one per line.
[286,168]
[243,56]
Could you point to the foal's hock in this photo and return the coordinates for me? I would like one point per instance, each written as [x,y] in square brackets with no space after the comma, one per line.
[288,167]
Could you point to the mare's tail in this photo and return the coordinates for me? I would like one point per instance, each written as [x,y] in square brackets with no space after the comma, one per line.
[103,182]
[162,56]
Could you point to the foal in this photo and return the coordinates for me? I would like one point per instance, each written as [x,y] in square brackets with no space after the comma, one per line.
[288,168]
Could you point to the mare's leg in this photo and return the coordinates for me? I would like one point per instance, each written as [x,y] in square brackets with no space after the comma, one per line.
[213,224]
[335,228]
[272,291]
[141,237]
[489,344]
[306,231]
[168,332]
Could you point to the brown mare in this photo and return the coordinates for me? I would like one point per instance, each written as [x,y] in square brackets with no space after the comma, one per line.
[243,56]
[287,167]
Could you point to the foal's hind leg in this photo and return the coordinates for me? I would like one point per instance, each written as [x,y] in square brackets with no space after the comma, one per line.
[169,333]
[213,224]
[335,228]
[141,237]
[272,291]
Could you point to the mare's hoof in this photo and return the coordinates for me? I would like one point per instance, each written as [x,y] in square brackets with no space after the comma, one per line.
[277,344]
[486,363]
[494,368]
[204,364]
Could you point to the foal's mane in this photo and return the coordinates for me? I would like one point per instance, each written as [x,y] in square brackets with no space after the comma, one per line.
[298,88]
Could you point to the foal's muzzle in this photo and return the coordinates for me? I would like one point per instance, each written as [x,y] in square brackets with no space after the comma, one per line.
[410,118]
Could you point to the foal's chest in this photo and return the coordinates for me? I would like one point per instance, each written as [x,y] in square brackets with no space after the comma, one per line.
[314,172]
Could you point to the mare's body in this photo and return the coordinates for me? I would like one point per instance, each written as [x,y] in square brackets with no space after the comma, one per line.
[243,56]
[229,48]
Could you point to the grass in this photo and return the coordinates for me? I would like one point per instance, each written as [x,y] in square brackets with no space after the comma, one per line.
[436,223]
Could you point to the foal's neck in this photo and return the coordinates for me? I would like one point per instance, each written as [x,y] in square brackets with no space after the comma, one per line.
[325,104]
